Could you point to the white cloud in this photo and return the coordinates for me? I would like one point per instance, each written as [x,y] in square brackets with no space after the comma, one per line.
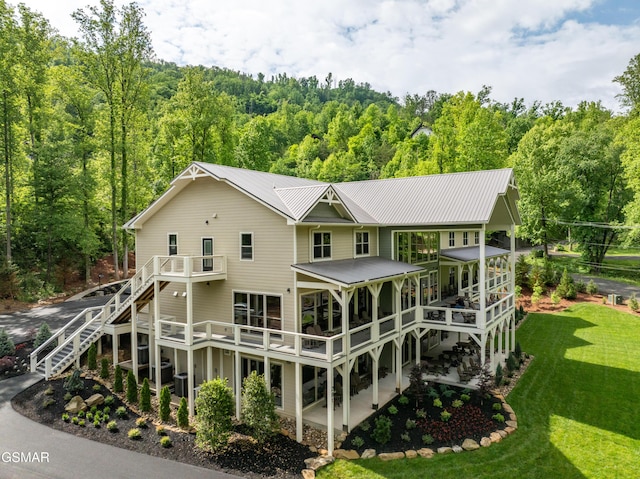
[521,49]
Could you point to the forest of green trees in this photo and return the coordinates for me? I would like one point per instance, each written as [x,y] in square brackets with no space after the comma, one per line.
[93,129]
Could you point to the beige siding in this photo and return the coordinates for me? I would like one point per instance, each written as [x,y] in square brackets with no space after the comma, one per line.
[342,241]
[444,239]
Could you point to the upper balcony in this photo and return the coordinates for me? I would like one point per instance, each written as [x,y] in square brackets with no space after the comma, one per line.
[184,269]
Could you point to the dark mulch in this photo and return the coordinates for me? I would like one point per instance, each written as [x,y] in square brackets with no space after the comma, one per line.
[282,457]
[473,419]
[18,363]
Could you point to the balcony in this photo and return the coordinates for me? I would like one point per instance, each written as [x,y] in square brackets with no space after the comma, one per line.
[191,268]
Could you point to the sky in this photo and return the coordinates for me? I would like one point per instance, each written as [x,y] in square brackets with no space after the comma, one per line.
[544,50]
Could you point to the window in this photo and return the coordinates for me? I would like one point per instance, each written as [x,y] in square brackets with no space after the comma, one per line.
[257,309]
[416,247]
[362,243]
[249,365]
[452,239]
[246,246]
[321,245]
[173,244]
[207,252]
[465,238]
[476,237]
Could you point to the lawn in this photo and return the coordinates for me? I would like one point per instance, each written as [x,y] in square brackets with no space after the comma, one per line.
[577,405]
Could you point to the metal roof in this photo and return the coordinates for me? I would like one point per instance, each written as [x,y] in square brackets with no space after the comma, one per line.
[472,253]
[349,272]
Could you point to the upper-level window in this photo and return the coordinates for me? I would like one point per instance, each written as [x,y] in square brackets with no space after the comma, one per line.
[476,237]
[465,238]
[415,247]
[362,243]
[246,246]
[321,245]
[452,239]
[173,243]
[257,309]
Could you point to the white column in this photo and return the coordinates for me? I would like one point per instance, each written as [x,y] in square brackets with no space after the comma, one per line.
[330,402]
[500,350]
[190,383]
[375,380]
[492,364]
[237,386]
[209,363]
[298,368]
[158,375]
[134,339]
[482,279]
[115,344]
[156,330]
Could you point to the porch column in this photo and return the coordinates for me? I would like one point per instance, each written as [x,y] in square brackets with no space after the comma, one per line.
[482,280]
[237,383]
[157,331]
[512,261]
[298,368]
[398,345]
[115,345]
[483,348]
[513,331]
[134,339]
[190,383]
[418,348]
[346,395]
[267,372]
[375,289]
[492,340]
[330,411]
[460,268]
[209,363]
[375,380]
[158,376]
[188,334]
[500,351]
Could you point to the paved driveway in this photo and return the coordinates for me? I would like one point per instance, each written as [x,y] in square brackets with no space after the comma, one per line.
[63,456]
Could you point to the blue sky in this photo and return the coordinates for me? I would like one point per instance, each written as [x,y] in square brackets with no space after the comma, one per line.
[545,50]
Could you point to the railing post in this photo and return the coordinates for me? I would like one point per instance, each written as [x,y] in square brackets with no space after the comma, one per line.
[188,266]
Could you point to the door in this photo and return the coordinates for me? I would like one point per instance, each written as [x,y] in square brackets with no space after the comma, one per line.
[207,250]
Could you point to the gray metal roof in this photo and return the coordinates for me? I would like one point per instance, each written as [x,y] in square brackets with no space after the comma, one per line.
[349,272]
[472,253]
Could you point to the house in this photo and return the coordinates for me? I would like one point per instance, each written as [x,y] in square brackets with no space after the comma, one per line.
[332,291]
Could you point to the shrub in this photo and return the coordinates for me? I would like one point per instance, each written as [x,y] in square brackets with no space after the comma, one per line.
[91,357]
[117,379]
[81,423]
[183,414]
[112,426]
[165,441]
[633,303]
[517,291]
[410,424]
[165,404]
[65,417]
[465,397]
[104,368]
[108,401]
[145,396]
[417,386]
[74,383]
[437,402]
[121,412]
[48,402]
[7,348]
[592,287]
[134,433]
[357,442]
[499,375]
[81,414]
[160,430]
[49,391]
[365,426]
[405,437]
[403,400]
[445,415]
[538,291]
[382,430]
[132,388]
[67,396]
[96,424]
[89,416]
[105,418]
[141,422]
[393,410]
[258,407]
[215,408]
[555,298]
[97,388]
[446,391]
[498,417]
[497,406]
[512,363]
[518,350]
[457,403]
[581,286]
[522,271]
[94,409]
[75,420]
[43,335]
[421,413]
[427,439]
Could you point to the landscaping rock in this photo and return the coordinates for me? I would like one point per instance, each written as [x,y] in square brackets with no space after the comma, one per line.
[444,450]
[368,454]
[485,442]
[508,409]
[503,433]
[348,454]
[470,445]
[95,400]
[457,449]
[513,424]
[318,462]
[308,474]
[76,405]
[410,454]
[426,452]
[509,430]
[284,432]
[390,456]
[495,437]
[323,452]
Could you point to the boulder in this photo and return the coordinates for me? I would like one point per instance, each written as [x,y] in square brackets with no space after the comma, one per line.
[410,454]
[348,454]
[513,424]
[95,400]
[457,449]
[308,474]
[426,452]
[76,405]
[495,437]
[444,450]
[318,462]
[485,441]
[390,456]
[509,430]
[470,445]
[506,408]
[368,454]
[503,433]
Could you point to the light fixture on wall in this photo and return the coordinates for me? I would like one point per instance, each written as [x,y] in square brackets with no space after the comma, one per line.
[184,294]
[175,293]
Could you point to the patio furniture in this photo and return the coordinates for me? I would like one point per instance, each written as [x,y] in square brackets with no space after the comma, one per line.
[309,342]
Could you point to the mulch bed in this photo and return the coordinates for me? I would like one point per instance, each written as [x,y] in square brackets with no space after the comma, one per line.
[281,457]
[18,363]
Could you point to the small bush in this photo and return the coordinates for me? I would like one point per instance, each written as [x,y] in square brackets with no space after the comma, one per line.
[183,414]
[393,410]
[421,414]
[92,357]
[65,417]
[67,397]
[365,426]
[49,391]
[512,363]
[633,303]
[382,430]
[357,442]
[518,350]
[134,434]
[457,403]
[258,407]
[104,368]
[427,439]
[105,418]
[581,286]
[445,415]
[74,420]
[97,388]
[44,333]
[465,397]
[215,407]
[117,379]
[108,401]
[112,426]
[165,404]
[106,410]
[592,287]
[403,400]
[410,424]
[499,375]
[7,347]
[81,414]
[121,412]
[160,430]
[498,417]
[497,406]
[437,402]
[145,396]
[132,388]
[89,416]
[96,424]
[405,437]
[555,298]
[74,383]
[165,441]
[81,423]
[94,409]
[141,422]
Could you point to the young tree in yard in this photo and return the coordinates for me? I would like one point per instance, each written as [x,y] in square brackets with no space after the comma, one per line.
[215,410]
[165,404]
[183,414]
[44,333]
[92,364]
[7,348]
[104,368]
[132,388]
[145,396]
[117,379]
[258,407]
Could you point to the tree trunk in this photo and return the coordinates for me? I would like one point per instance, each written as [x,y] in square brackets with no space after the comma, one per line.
[7,173]
[114,192]
[123,195]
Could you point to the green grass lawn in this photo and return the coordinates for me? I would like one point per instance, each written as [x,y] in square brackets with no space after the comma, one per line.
[578,408]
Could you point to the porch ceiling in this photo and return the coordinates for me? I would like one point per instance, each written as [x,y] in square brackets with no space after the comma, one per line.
[351,272]
[472,253]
